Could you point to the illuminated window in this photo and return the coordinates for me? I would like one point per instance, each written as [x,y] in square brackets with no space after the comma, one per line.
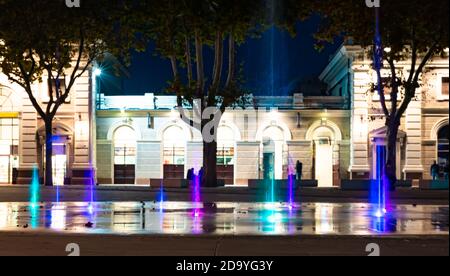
[443,147]
[442,88]
[9,145]
[225,146]
[174,142]
[124,146]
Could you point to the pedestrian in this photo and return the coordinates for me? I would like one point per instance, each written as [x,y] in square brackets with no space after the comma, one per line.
[299,169]
[434,171]
[201,175]
[190,175]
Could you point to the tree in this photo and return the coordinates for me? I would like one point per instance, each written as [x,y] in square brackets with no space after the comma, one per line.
[183,31]
[46,39]
[414,31]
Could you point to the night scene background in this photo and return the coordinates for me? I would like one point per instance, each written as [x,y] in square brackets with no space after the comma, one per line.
[274,64]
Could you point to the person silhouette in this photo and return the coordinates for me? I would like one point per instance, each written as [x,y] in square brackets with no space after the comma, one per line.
[299,169]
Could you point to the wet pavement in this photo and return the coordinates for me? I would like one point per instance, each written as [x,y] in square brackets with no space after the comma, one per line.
[236,219]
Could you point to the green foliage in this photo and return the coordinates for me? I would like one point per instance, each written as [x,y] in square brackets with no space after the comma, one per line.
[183,29]
[47,38]
[401,23]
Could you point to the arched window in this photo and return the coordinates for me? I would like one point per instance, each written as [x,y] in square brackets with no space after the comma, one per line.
[7,102]
[225,146]
[323,156]
[125,146]
[9,137]
[443,146]
[174,141]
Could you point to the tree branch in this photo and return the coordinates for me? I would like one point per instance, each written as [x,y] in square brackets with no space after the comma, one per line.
[188,60]
[394,85]
[380,89]
[412,87]
[200,66]
[28,90]
[218,61]
[231,60]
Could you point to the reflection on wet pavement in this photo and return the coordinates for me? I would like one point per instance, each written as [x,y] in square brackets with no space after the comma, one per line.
[223,219]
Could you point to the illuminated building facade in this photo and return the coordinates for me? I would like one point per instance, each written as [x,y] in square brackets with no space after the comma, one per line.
[22,134]
[424,133]
[140,143]
[141,140]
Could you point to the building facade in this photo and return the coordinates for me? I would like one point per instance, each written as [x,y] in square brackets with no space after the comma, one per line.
[141,140]
[424,132]
[22,134]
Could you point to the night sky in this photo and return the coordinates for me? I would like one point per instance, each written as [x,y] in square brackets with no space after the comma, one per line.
[294,60]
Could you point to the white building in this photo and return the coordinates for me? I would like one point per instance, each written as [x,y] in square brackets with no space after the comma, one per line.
[138,144]
[22,134]
[424,129]
[141,139]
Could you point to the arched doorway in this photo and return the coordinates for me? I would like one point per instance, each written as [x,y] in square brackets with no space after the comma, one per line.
[61,153]
[124,155]
[273,144]
[325,136]
[443,147]
[379,151]
[323,139]
[225,154]
[174,152]
[9,137]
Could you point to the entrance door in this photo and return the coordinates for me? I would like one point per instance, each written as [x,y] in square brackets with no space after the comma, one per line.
[59,162]
[269,166]
[125,156]
[324,163]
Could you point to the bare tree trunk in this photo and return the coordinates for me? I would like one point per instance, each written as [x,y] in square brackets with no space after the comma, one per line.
[210,164]
[391,162]
[48,153]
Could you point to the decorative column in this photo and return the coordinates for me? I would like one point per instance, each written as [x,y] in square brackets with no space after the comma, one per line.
[413,164]
[27,142]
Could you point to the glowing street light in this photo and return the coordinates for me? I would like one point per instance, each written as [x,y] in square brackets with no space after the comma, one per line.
[97,72]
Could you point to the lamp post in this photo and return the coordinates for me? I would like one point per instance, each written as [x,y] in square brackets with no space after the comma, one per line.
[97,73]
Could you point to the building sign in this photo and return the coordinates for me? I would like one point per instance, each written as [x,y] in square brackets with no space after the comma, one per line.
[9,115]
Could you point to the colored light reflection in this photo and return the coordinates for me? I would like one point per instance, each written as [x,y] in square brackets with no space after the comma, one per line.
[291,187]
[379,191]
[226,219]
[161,197]
[34,188]
[58,217]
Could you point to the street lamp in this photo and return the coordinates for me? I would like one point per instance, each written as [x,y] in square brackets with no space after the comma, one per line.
[97,72]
